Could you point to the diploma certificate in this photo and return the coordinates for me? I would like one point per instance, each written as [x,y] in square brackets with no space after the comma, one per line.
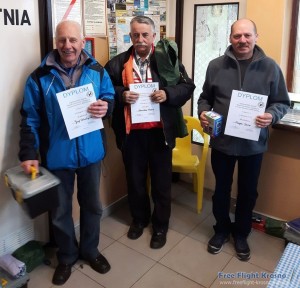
[144,110]
[73,105]
[243,109]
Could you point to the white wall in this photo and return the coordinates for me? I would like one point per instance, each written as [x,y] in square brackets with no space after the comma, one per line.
[20,54]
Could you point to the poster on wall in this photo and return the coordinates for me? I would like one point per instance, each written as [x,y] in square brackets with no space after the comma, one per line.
[66,9]
[91,14]
[123,41]
[94,18]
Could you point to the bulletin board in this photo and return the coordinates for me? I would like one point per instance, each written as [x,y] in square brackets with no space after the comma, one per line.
[105,22]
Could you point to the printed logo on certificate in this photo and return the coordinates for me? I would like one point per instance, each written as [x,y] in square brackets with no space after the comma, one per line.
[73,105]
[144,110]
[243,109]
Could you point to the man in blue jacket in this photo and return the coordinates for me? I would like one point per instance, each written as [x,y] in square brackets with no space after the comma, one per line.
[44,137]
[243,67]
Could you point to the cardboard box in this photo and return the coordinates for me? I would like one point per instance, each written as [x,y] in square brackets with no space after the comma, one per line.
[214,127]
[37,195]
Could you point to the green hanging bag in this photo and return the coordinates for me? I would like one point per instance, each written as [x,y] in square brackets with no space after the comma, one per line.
[166,54]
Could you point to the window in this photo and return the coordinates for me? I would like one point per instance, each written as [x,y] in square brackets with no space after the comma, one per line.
[212,25]
[293,72]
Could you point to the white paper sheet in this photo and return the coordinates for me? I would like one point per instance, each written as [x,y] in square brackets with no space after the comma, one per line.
[144,110]
[244,108]
[74,104]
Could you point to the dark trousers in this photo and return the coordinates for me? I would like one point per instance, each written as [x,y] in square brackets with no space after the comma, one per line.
[146,150]
[88,183]
[248,174]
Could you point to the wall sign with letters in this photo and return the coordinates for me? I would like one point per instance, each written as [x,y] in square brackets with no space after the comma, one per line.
[14,17]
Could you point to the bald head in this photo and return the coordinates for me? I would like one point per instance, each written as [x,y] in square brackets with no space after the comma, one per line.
[244,21]
[69,42]
[69,23]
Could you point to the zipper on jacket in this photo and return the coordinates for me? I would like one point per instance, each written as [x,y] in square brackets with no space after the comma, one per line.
[71,85]
[77,152]
[241,89]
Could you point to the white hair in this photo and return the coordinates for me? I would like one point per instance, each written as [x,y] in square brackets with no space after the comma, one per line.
[71,22]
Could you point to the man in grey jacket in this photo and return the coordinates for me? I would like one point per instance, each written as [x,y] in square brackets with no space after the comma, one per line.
[243,67]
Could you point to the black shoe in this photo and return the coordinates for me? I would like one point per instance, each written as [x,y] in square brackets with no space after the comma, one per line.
[242,248]
[216,243]
[62,274]
[158,240]
[135,230]
[100,264]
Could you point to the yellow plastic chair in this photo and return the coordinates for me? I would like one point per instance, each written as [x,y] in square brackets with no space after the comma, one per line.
[183,161]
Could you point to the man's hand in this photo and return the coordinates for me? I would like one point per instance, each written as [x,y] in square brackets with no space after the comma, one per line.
[203,119]
[158,96]
[264,120]
[130,97]
[98,109]
[28,164]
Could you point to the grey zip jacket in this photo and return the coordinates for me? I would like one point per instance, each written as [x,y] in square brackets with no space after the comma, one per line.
[262,76]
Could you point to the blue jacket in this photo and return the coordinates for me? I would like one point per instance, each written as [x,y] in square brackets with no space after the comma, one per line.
[263,76]
[43,132]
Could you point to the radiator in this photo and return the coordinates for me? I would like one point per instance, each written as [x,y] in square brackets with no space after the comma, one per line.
[13,241]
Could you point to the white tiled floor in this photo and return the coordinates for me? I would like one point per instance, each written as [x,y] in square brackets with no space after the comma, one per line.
[183,262]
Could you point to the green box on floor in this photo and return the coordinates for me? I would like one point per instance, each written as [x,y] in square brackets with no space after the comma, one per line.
[275,227]
[32,254]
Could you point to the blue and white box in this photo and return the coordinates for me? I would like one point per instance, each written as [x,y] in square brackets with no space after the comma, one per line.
[214,127]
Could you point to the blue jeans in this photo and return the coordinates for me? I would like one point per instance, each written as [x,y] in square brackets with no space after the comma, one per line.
[88,183]
[248,174]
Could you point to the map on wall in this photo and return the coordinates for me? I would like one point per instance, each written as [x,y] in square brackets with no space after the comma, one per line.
[211,38]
